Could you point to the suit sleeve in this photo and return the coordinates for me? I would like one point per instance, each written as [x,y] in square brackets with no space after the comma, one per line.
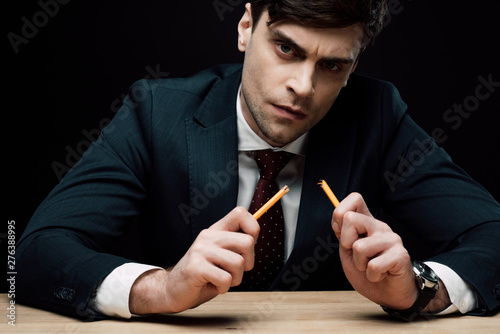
[441,204]
[67,248]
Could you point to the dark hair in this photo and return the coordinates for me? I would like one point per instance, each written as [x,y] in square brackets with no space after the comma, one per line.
[326,13]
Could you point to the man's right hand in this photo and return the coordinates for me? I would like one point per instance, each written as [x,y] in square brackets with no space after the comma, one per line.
[215,262]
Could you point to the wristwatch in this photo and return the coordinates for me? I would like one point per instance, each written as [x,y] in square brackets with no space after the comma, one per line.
[428,284]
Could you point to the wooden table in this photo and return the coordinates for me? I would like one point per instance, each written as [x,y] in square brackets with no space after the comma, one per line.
[256,312]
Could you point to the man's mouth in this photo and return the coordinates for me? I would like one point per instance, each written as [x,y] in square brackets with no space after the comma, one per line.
[289,112]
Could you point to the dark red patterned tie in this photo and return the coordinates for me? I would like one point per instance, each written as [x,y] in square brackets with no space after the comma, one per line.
[270,247]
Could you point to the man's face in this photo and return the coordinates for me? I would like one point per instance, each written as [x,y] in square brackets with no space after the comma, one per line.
[292,74]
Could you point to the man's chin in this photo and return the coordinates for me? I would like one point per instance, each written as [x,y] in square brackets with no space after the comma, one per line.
[277,139]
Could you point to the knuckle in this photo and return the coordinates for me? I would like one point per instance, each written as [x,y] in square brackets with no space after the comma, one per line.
[406,256]
[402,260]
[345,243]
[248,241]
[385,227]
[403,252]
[372,267]
[204,234]
[226,280]
[192,266]
[200,246]
[384,230]
[338,214]
[197,247]
[394,238]
[240,211]
[357,198]
[358,247]
[397,239]
[240,263]
[348,217]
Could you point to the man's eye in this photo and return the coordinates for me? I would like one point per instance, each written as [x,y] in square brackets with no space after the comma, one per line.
[285,48]
[331,66]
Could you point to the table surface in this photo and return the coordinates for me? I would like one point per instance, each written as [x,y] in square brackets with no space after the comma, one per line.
[256,312]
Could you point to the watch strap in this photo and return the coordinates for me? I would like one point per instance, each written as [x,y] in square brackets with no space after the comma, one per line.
[426,293]
[411,313]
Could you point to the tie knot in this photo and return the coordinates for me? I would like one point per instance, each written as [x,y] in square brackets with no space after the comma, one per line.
[270,163]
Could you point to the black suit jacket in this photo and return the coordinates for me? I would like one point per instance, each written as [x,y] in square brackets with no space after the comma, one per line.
[166,168]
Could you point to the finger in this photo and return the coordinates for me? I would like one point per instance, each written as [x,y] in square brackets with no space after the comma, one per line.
[354,202]
[213,275]
[357,225]
[212,271]
[394,262]
[240,244]
[239,219]
[354,227]
[231,263]
[361,256]
[367,248]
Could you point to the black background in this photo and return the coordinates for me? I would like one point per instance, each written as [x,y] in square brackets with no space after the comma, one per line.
[71,74]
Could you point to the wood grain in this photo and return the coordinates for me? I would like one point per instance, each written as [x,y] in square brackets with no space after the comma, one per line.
[257,312]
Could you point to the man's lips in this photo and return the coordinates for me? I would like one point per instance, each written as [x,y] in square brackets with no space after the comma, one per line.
[289,112]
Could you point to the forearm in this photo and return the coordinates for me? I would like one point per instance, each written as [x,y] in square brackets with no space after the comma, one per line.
[114,293]
[57,272]
[440,302]
[144,293]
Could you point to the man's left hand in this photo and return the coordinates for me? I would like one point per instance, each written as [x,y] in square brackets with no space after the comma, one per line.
[373,257]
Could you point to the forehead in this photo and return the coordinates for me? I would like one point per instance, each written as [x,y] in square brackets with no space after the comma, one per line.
[322,42]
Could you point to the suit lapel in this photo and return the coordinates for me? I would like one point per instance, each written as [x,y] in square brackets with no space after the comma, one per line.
[213,155]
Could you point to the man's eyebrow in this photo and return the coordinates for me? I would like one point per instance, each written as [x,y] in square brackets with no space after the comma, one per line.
[302,52]
[281,36]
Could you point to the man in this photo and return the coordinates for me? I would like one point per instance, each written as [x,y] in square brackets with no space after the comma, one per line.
[175,165]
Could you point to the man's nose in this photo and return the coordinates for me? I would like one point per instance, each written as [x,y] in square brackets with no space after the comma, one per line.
[301,80]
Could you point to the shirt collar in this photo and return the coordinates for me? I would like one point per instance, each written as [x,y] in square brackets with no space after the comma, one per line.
[248,140]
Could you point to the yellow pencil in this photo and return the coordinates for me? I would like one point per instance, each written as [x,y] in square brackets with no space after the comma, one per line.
[271,202]
[329,193]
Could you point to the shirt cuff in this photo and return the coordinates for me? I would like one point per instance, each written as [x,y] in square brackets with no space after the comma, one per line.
[112,296]
[462,295]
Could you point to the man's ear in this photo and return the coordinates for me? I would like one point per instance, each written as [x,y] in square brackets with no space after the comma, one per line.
[245,27]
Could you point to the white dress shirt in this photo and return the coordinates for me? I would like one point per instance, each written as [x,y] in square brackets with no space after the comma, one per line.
[112,296]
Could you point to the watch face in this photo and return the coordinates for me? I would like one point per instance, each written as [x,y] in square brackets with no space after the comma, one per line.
[425,274]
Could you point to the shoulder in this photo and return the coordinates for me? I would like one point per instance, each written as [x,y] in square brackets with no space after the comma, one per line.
[369,100]
[367,91]
[371,106]
[196,86]
[170,100]
[162,106]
